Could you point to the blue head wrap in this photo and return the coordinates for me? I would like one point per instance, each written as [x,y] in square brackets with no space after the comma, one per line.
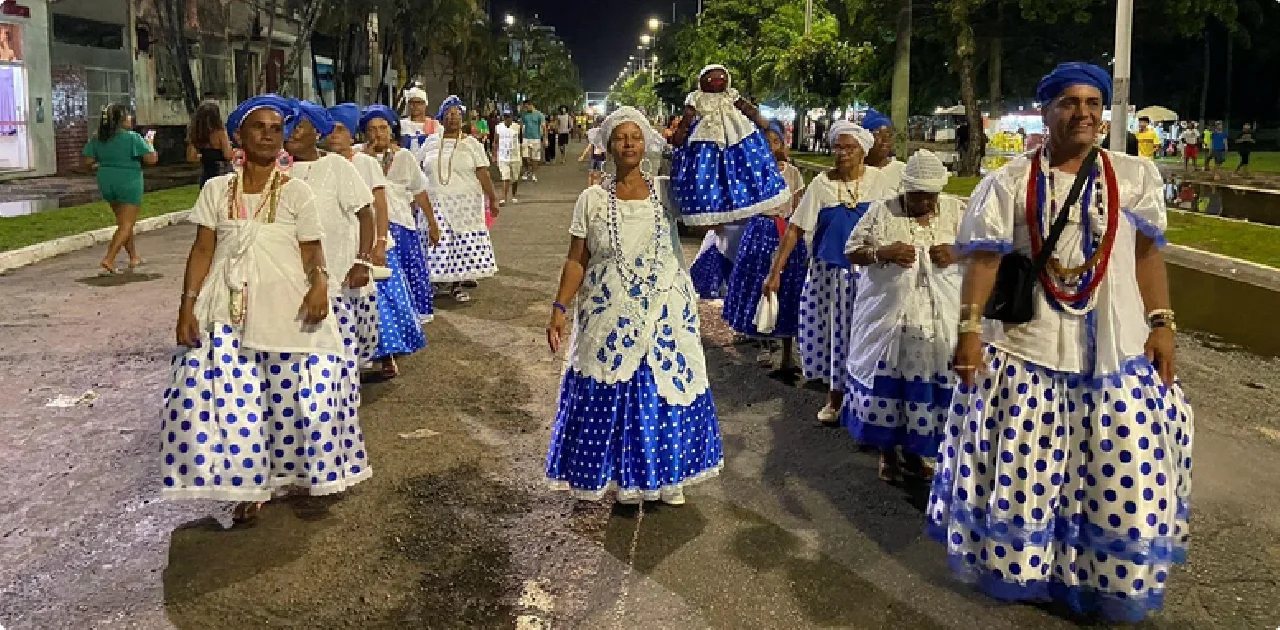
[273,102]
[1074,73]
[347,115]
[775,126]
[378,111]
[452,101]
[319,116]
[874,120]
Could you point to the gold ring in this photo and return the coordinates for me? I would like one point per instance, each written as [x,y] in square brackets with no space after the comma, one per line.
[962,367]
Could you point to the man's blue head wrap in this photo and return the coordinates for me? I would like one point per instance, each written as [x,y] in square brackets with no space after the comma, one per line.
[1074,73]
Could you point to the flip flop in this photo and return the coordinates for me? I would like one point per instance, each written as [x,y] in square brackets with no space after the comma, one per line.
[108,271]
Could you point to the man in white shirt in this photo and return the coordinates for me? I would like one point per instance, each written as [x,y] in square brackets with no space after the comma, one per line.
[506,154]
[1190,146]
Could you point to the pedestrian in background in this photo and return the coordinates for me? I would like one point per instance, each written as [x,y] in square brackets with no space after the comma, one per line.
[1206,142]
[564,125]
[208,143]
[1190,146]
[506,154]
[1218,142]
[533,139]
[118,153]
[1244,146]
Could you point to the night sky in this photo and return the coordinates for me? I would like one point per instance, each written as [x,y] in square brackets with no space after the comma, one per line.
[599,33]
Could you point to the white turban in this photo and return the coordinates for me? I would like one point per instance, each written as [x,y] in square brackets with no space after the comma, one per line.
[415,92]
[846,128]
[728,78]
[629,114]
[924,172]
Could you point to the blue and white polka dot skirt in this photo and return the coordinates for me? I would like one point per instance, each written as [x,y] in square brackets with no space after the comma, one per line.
[461,255]
[755,258]
[363,304]
[413,264]
[626,437]
[399,329]
[714,186]
[897,410]
[237,424]
[710,273]
[1051,486]
[826,304]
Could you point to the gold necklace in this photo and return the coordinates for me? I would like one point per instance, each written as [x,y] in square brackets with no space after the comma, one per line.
[843,187]
[440,158]
[270,198]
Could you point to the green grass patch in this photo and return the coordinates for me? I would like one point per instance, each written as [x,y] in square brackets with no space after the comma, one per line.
[1259,161]
[21,231]
[1238,239]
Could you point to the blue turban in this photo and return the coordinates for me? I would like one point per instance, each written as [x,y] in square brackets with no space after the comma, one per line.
[319,116]
[452,101]
[775,126]
[1074,73]
[874,121]
[347,115]
[273,102]
[378,111]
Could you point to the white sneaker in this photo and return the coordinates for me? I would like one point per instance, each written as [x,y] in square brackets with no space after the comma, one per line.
[828,415]
[514,200]
[502,202]
[533,178]
[673,497]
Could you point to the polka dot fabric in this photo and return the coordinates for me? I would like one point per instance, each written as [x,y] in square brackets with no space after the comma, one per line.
[822,338]
[1052,485]
[237,424]
[364,312]
[898,410]
[465,256]
[714,185]
[399,329]
[624,436]
[710,273]
[413,266]
[755,258]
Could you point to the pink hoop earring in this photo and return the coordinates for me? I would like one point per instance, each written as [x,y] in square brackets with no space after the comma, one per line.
[237,158]
[284,161]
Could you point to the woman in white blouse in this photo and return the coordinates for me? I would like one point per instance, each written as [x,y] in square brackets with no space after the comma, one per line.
[458,174]
[903,326]
[259,398]
[635,409]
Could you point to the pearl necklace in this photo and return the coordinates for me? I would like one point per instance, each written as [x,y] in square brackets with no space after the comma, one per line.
[440,158]
[626,268]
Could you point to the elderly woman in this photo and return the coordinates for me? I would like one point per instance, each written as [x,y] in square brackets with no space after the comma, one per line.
[344,204]
[1066,469]
[635,409]
[830,207]
[881,153]
[341,141]
[458,175]
[401,330]
[261,398]
[418,130]
[904,320]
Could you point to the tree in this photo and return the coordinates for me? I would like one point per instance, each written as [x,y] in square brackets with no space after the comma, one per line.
[173,16]
[637,91]
[311,11]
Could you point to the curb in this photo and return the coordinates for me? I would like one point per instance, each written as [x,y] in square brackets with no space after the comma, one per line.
[40,251]
[1225,266]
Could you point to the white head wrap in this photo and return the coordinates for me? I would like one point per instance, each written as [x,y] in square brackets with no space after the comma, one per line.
[629,114]
[728,78]
[846,128]
[415,92]
[924,172]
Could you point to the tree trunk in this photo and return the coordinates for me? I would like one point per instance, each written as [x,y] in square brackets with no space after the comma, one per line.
[310,13]
[266,56]
[173,15]
[1204,89]
[994,70]
[1226,115]
[971,159]
[901,96]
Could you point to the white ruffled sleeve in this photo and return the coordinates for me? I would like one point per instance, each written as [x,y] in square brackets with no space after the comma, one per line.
[298,200]
[478,154]
[1146,208]
[353,194]
[210,204]
[578,226]
[988,222]
[863,234]
[806,214]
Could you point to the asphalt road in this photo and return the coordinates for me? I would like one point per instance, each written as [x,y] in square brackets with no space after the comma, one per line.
[455,528]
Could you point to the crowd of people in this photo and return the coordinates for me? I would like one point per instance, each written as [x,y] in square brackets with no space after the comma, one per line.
[1024,342]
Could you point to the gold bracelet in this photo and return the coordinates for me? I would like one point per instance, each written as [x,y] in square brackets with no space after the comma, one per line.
[190,295]
[969,326]
[971,313]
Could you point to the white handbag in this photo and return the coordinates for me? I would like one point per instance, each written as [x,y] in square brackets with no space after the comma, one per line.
[767,313]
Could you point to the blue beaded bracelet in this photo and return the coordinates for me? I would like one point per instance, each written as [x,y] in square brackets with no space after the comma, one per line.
[560,307]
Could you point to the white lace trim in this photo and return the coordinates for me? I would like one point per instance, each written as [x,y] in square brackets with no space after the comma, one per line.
[719,120]
[624,494]
[717,218]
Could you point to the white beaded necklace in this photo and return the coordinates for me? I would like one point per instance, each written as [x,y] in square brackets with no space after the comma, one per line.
[638,283]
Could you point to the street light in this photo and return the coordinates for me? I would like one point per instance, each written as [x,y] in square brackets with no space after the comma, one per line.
[655,23]
[645,39]
[509,19]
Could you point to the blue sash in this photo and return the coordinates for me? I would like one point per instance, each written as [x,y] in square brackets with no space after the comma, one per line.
[832,233]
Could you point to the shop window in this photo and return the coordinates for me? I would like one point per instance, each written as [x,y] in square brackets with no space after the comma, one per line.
[168,81]
[15,147]
[215,68]
[90,33]
[106,87]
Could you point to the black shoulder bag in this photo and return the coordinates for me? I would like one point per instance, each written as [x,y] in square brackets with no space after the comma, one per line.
[1013,297]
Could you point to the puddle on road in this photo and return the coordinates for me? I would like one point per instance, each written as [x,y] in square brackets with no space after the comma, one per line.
[1238,313]
[1226,201]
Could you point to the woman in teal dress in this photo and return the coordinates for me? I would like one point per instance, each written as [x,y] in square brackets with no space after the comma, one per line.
[118,153]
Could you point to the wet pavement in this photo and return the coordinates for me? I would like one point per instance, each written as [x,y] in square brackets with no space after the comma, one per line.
[455,528]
